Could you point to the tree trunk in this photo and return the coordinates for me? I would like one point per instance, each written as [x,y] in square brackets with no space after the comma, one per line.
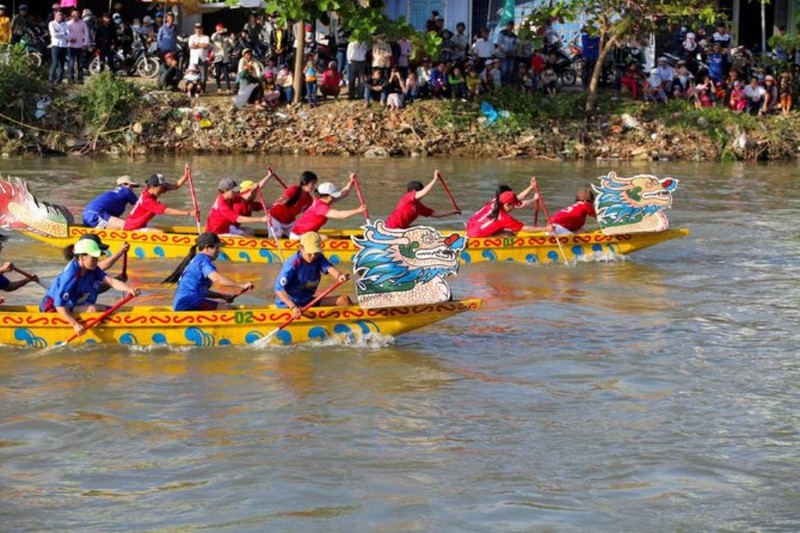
[594,84]
[299,60]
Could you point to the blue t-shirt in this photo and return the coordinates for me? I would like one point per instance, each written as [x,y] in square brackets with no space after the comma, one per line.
[70,288]
[3,282]
[300,279]
[194,284]
[716,65]
[111,203]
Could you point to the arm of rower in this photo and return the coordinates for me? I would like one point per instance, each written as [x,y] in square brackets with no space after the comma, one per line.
[120,285]
[16,284]
[219,279]
[335,213]
[241,219]
[67,315]
[177,212]
[442,214]
[284,297]
[527,191]
[428,188]
[346,189]
[109,261]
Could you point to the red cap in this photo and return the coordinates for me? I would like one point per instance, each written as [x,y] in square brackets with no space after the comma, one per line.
[509,197]
[169,55]
[220,26]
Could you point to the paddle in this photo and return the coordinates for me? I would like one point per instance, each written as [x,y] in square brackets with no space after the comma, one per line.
[550,222]
[29,276]
[2,300]
[194,199]
[232,297]
[270,229]
[105,315]
[450,195]
[305,308]
[272,173]
[361,198]
[124,274]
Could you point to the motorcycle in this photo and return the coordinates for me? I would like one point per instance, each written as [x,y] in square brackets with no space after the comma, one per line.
[35,45]
[137,61]
[563,65]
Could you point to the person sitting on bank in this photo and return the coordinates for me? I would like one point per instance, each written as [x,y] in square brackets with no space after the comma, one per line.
[410,207]
[148,205]
[300,276]
[76,288]
[105,210]
[320,211]
[6,284]
[171,76]
[196,274]
[224,219]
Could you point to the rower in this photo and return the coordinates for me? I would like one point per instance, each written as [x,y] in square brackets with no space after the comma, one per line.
[148,205]
[223,219]
[104,211]
[320,211]
[572,218]
[109,259]
[248,201]
[197,273]
[300,277]
[494,218]
[6,284]
[76,288]
[410,207]
[294,201]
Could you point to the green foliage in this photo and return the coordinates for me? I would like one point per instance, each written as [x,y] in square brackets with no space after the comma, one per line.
[107,101]
[21,83]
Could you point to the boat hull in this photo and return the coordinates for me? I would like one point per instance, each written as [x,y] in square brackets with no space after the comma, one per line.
[339,248]
[147,326]
[542,248]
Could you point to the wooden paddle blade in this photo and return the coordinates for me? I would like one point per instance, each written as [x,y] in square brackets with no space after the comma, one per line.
[20,210]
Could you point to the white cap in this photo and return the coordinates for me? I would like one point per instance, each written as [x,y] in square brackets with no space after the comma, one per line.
[329,189]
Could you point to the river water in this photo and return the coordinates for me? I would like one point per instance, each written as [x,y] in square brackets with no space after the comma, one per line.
[657,392]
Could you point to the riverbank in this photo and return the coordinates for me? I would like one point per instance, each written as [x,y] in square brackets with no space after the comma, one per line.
[532,127]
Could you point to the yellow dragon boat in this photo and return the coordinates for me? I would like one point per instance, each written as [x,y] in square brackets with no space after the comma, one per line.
[154,325]
[629,211]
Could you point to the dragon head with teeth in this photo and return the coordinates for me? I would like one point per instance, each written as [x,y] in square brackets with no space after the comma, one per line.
[635,204]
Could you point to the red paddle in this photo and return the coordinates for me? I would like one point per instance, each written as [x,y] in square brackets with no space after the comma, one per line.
[272,173]
[549,222]
[270,228]
[361,199]
[194,201]
[310,304]
[450,195]
[29,276]
[105,315]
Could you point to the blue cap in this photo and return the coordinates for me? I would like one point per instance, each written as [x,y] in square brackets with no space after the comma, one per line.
[159,14]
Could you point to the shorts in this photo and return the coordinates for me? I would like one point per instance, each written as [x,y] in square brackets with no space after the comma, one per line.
[95,219]
[281,229]
[207,305]
[47,305]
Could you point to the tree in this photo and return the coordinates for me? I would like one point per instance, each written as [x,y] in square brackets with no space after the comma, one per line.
[363,18]
[615,21]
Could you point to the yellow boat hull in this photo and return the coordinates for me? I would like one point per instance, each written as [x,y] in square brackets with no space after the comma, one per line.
[174,242]
[543,248]
[147,326]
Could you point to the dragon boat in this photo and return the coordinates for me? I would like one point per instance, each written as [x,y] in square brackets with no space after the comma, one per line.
[153,325]
[629,212]
[394,296]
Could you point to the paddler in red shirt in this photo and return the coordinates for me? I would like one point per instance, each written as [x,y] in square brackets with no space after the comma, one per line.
[223,219]
[248,201]
[320,211]
[494,218]
[148,205]
[293,202]
[572,218]
[409,207]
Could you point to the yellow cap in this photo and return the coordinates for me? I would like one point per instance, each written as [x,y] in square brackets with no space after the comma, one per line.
[246,185]
[311,242]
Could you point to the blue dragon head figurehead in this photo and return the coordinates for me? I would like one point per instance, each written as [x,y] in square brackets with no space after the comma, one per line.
[404,267]
[635,204]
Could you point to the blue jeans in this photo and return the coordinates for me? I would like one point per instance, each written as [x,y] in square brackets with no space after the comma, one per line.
[507,68]
[311,92]
[75,63]
[288,94]
[58,56]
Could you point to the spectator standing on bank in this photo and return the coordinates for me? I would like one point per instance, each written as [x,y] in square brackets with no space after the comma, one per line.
[59,41]
[591,52]
[168,36]
[357,61]
[506,48]
[79,39]
[198,53]
[222,42]
[5,26]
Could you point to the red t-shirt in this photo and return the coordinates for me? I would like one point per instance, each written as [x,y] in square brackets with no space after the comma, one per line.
[573,217]
[221,217]
[287,214]
[313,219]
[407,211]
[145,209]
[482,225]
[244,207]
[331,79]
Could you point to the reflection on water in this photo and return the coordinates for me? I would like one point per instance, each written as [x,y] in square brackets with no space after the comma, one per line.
[643,393]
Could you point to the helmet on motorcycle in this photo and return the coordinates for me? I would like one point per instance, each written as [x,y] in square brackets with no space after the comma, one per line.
[159,14]
[117,18]
[87,13]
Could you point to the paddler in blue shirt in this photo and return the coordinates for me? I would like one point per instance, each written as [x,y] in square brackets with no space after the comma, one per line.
[300,277]
[104,211]
[6,284]
[197,273]
[76,288]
